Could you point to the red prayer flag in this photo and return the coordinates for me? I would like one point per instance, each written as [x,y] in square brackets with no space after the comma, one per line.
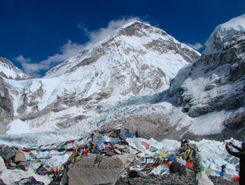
[145,144]
[189,164]
[235,178]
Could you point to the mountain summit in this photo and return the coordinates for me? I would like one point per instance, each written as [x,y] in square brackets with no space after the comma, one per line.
[137,60]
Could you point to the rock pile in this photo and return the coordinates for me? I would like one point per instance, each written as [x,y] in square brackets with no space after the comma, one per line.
[12,158]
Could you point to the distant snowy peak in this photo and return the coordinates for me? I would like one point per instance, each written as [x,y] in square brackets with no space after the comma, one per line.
[10,71]
[133,39]
[225,35]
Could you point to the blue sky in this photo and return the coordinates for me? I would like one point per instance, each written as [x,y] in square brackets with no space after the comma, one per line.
[39,34]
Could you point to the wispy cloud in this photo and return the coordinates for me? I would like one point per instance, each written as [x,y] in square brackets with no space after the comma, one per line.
[97,35]
[196,46]
[33,69]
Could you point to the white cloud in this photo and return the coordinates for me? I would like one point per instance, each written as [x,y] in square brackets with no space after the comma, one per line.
[196,46]
[97,35]
[33,69]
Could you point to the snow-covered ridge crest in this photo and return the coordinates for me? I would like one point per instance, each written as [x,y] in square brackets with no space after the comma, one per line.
[226,34]
[10,71]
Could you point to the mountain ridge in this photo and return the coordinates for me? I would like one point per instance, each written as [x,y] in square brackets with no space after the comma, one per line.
[132,77]
[139,63]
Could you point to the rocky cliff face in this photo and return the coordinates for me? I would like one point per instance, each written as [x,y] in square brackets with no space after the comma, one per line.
[215,81]
[136,60]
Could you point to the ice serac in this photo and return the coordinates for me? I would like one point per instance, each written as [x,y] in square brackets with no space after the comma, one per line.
[214,83]
[136,60]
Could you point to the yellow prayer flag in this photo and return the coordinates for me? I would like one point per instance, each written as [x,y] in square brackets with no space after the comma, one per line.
[208,170]
[76,145]
[163,154]
[35,161]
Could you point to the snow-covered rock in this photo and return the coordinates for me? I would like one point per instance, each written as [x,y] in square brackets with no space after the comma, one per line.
[2,165]
[214,83]
[10,71]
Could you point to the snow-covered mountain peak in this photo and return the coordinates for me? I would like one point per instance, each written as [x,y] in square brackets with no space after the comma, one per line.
[134,37]
[226,34]
[9,70]
[136,60]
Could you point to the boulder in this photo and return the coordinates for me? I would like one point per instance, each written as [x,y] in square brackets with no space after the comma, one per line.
[108,170]
[202,179]
[30,180]
[7,153]
[24,165]
[2,165]
[187,172]
[134,174]
[174,168]
[19,157]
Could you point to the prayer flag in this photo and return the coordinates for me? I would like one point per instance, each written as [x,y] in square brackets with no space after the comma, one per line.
[145,144]
[189,164]
[219,173]
[235,178]
[171,157]
[181,161]
[208,170]
[153,149]
[228,177]
[163,154]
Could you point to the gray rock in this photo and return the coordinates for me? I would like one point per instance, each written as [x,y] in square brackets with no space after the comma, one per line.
[202,179]
[19,157]
[175,168]
[187,172]
[28,181]
[108,170]
[24,165]
[7,153]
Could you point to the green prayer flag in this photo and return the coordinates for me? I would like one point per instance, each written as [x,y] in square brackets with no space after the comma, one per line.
[153,149]
[203,168]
